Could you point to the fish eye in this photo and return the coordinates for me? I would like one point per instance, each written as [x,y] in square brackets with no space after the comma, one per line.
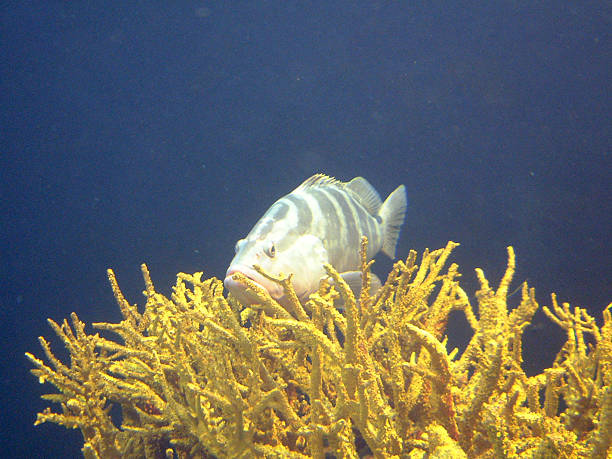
[270,250]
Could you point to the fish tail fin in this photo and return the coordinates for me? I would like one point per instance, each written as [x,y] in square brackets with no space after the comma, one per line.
[392,213]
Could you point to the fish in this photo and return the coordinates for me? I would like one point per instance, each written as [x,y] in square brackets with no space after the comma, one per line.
[321,221]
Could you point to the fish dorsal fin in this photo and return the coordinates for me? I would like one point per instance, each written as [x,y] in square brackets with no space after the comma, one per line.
[320,180]
[365,193]
[359,188]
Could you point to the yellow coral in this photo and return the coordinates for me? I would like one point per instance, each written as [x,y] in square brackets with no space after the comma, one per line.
[200,375]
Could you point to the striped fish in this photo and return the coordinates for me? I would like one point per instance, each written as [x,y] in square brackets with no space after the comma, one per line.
[321,221]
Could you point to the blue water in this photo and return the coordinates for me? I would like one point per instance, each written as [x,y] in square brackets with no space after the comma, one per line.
[160,133]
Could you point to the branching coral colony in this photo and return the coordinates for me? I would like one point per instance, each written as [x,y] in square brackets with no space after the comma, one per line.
[199,375]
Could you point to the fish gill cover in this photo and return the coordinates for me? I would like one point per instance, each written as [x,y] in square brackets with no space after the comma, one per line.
[198,374]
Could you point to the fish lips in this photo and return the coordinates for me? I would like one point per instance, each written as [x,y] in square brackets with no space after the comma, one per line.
[238,289]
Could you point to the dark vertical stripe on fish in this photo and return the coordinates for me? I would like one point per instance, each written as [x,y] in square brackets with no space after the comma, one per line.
[304,214]
[351,227]
[279,210]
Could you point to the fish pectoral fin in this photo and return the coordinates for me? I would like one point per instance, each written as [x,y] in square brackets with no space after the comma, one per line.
[353,279]
[375,284]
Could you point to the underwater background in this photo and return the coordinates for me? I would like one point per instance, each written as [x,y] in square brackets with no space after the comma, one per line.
[159,132]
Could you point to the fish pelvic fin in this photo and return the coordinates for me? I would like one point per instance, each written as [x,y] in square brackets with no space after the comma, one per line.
[392,213]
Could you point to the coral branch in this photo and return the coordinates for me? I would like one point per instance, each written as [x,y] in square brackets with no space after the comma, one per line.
[200,375]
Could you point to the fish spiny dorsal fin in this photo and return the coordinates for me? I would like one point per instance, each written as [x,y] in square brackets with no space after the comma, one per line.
[365,193]
[320,180]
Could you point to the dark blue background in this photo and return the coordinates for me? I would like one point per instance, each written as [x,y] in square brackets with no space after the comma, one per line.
[159,133]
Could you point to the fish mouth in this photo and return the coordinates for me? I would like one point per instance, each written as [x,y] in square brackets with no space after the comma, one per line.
[238,289]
